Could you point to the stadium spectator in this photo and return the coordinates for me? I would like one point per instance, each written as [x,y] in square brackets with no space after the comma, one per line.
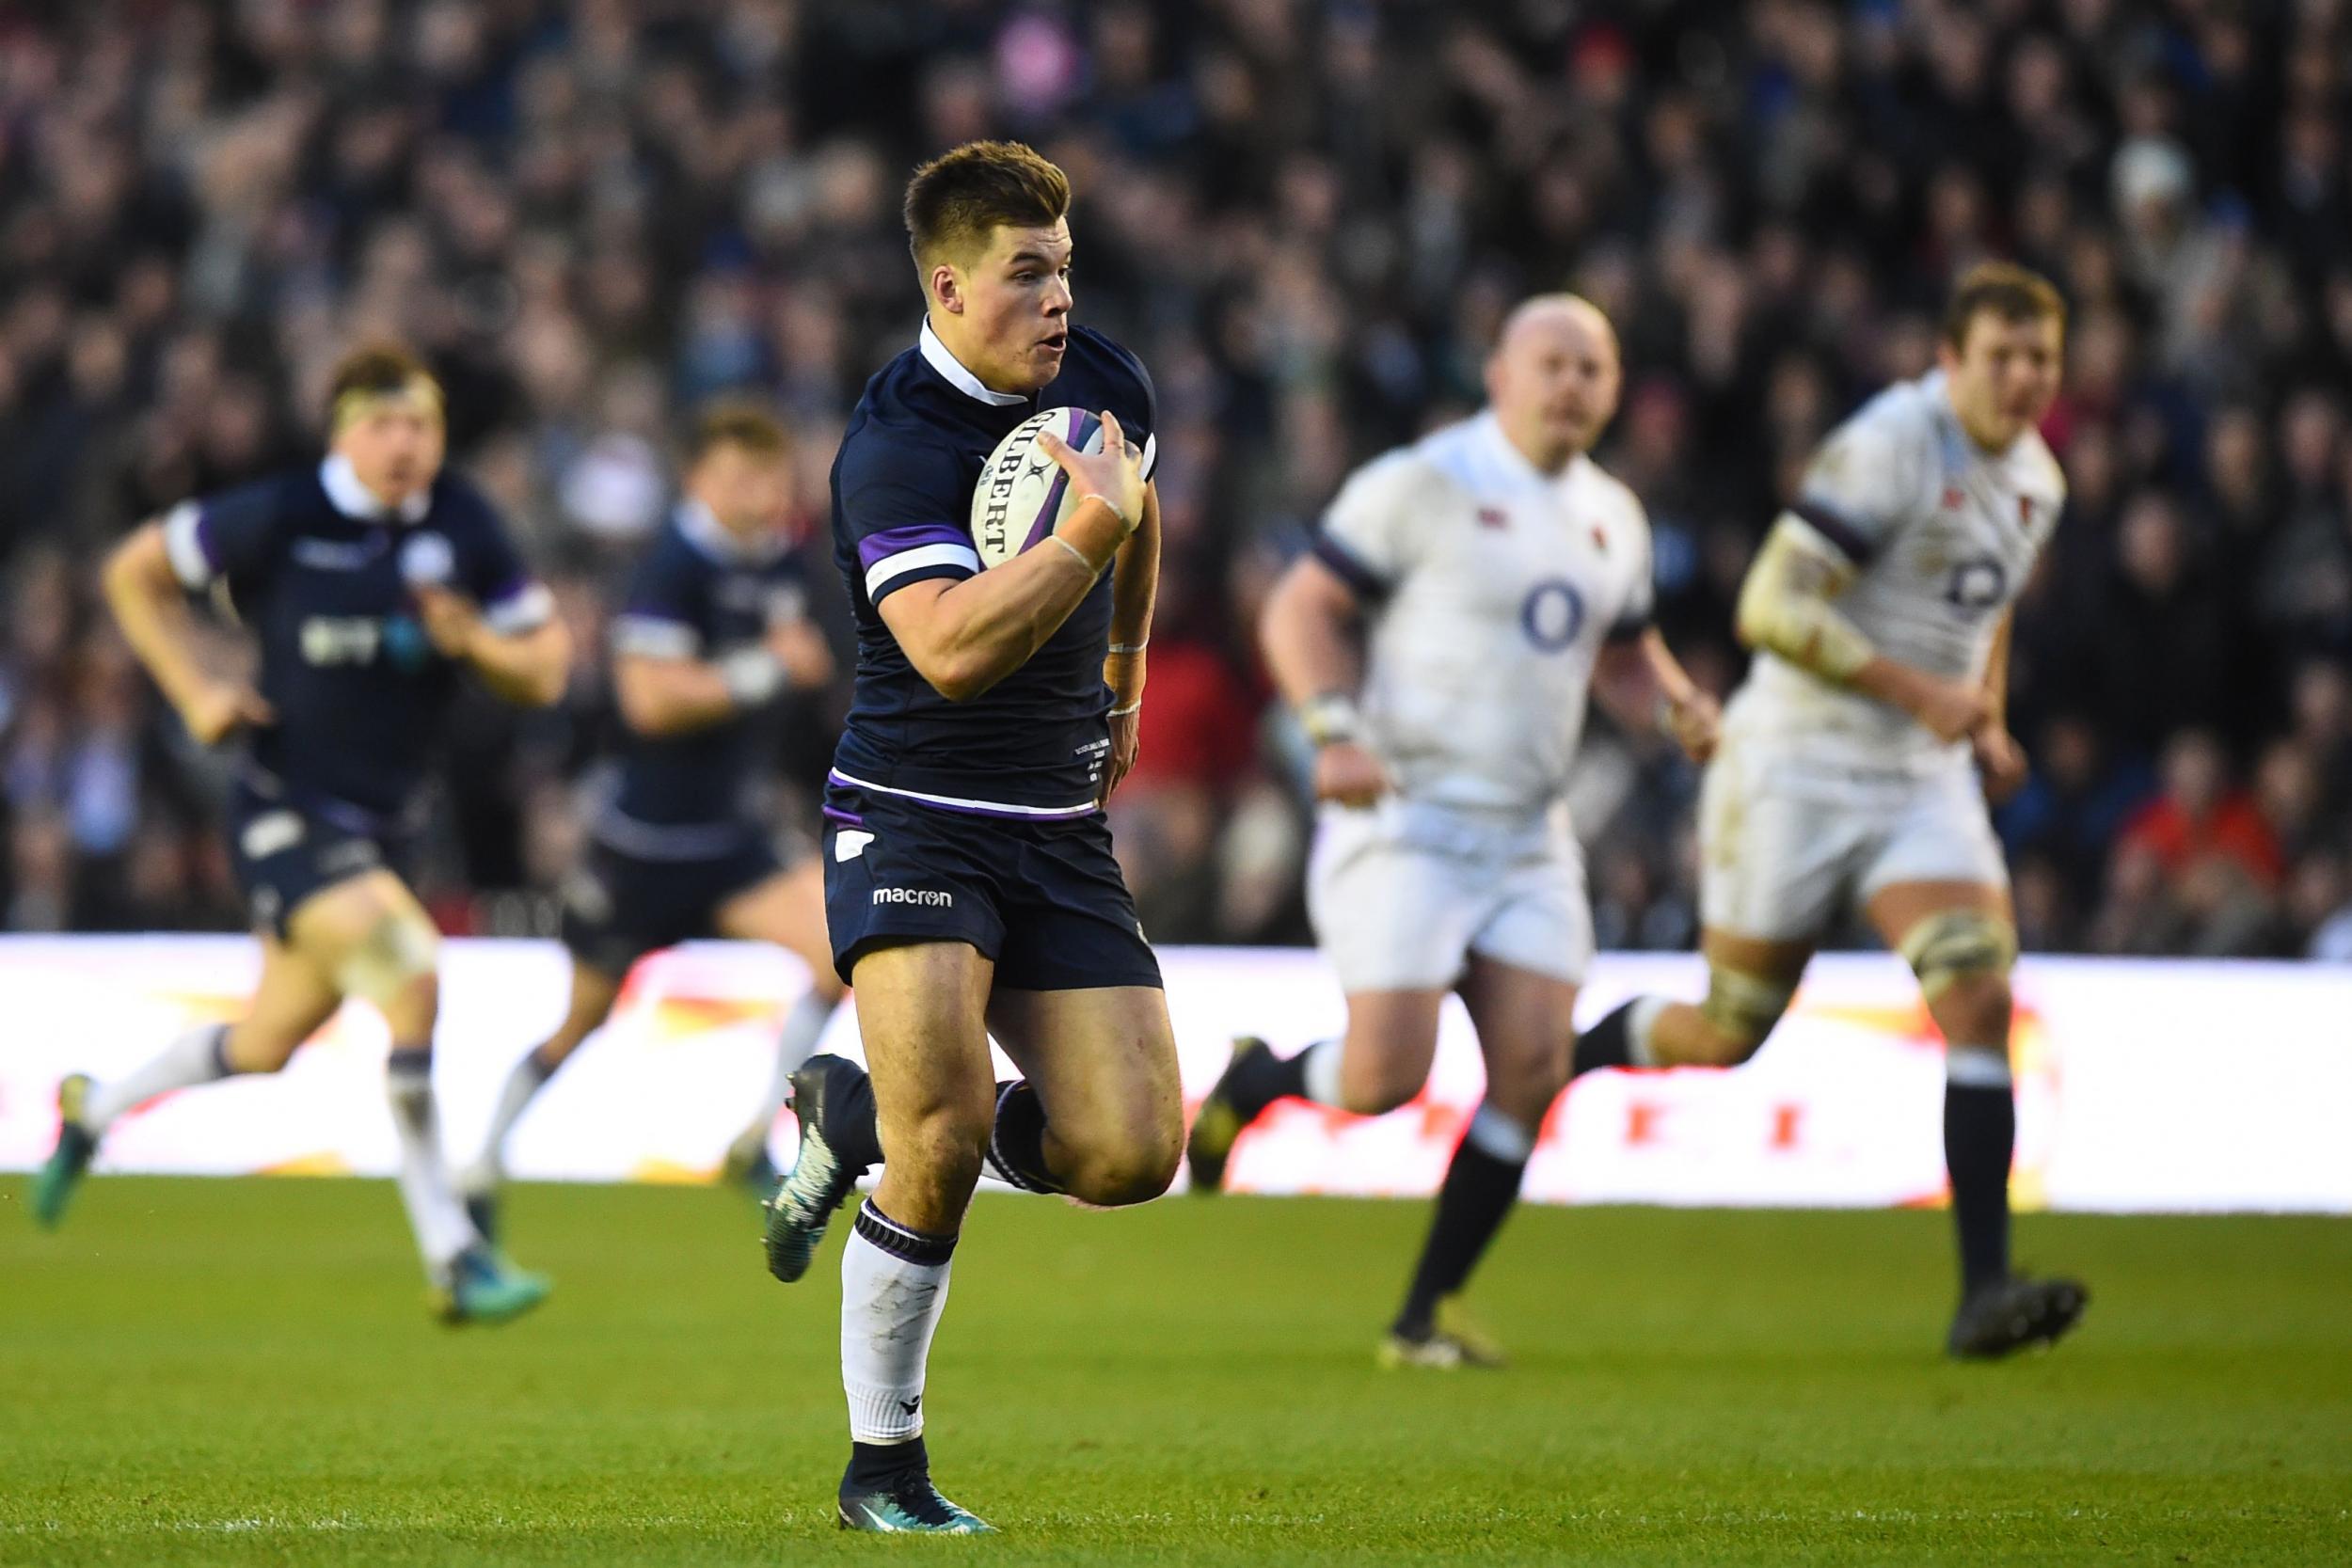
[589,214]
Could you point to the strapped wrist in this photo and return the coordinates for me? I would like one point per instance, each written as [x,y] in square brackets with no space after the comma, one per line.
[1330,718]
[753,675]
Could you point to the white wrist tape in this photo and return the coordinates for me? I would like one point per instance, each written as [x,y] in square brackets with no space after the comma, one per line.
[753,675]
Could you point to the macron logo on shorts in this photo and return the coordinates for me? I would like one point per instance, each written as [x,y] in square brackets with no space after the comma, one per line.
[930,897]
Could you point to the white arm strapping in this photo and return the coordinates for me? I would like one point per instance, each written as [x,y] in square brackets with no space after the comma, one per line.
[1784,603]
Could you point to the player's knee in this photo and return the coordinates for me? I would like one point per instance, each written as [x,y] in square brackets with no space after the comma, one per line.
[1738,1013]
[1963,958]
[943,1142]
[251,1048]
[395,964]
[1135,1169]
[1523,1085]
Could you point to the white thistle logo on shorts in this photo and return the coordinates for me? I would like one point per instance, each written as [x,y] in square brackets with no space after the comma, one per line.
[930,897]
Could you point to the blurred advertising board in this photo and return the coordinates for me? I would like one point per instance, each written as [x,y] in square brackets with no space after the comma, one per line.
[2141,1086]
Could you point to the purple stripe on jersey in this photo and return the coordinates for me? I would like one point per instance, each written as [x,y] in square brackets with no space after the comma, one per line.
[204,531]
[890,541]
[837,815]
[1838,531]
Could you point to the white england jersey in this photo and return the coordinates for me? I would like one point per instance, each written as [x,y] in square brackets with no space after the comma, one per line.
[1942,536]
[1489,588]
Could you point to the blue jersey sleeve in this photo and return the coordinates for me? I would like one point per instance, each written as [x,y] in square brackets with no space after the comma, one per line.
[662,615]
[487,566]
[233,534]
[904,508]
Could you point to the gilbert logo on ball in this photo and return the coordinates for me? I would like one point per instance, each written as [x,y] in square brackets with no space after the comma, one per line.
[1023,495]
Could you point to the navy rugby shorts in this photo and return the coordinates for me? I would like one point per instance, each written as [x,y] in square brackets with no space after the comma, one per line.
[617,908]
[1043,900]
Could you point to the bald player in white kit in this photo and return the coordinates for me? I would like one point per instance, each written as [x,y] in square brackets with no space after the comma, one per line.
[1879,608]
[1466,594]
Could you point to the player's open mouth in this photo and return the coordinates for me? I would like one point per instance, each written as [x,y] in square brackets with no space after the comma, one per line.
[1055,343]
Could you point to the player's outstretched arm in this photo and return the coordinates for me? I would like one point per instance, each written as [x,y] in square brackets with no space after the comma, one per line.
[1787,606]
[1309,633]
[966,636]
[1640,682]
[145,596]
[526,668]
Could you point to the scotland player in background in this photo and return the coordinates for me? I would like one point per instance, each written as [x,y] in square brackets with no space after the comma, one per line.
[373,583]
[713,631]
[969,881]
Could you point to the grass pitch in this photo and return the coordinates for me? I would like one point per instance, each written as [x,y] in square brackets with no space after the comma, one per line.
[240,1372]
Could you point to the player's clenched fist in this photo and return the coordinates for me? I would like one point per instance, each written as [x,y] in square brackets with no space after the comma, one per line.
[2000,759]
[1348,773]
[1115,474]
[1951,709]
[217,709]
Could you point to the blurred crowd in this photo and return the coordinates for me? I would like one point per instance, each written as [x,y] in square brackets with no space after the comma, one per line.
[1308,217]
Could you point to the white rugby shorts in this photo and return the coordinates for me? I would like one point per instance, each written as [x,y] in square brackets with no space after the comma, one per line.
[1404,892]
[1789,842]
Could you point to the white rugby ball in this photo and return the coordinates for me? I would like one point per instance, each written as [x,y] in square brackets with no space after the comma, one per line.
[1023,494]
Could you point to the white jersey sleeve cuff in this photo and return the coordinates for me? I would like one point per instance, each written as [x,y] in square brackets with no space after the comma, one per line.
[183,547]
[653,637]
[526,608]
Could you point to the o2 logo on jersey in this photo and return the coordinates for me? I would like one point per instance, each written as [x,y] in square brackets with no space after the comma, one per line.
[1553,615]
[1977,584]
[330,640]
[400,640]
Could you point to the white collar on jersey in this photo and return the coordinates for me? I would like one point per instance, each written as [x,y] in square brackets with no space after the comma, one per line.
[707,533]
[1504,462]
[947,364]
[360,504]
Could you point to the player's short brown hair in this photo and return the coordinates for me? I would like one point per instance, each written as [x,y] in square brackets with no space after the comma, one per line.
[735,421]
[2003,288]
[958,200]
[375,369]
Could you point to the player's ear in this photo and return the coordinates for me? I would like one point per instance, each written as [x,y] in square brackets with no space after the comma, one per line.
[947,289]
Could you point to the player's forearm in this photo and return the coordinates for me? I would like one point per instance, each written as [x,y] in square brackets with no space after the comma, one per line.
[1135,587]
[1307,636]
[148,606]
[975,633]
[1996,672]
[529,669]
[1784,608]
[1633,676]
[672,696]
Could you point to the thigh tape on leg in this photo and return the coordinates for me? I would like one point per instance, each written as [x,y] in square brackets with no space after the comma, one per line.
[398,951]
[1743,1008]
[1945,948]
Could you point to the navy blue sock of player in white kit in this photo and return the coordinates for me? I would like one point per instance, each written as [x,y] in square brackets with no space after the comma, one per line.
[1481,1185]
[1979,1141]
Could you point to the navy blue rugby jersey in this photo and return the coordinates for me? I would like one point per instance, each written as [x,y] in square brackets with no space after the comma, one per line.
[698,593]
[1033,745]
[320,570]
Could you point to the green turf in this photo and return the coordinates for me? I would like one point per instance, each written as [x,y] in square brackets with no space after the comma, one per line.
[243,1372]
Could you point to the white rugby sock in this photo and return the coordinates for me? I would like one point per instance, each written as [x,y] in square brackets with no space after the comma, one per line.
[528,1077]
[894,1285]
[1319,1072]
[439,1221]
[1640,1019]
[198,1056]
[795,1043]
